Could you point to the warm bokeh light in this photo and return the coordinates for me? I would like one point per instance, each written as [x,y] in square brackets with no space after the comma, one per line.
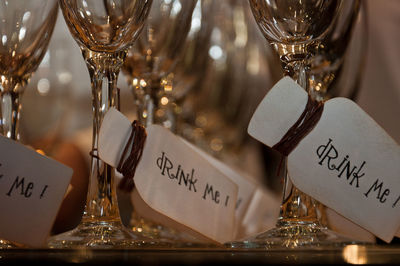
[355,254]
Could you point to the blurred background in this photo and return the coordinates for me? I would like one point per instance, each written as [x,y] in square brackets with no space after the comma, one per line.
[220,78]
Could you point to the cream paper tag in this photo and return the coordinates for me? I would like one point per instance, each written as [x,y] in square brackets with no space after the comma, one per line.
[32,188]
[174,180]
[347,162]
[261,214]
[345,227]
[255,205]
[257,208]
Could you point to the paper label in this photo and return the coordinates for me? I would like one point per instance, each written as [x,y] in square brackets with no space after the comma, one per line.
[176,181]
[32,188]
[344,226]
[347,162]
[257,208]
[261,214]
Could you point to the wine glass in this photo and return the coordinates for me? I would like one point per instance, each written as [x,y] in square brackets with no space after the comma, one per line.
[26,27]
[343,75]
[150,61]
[148,69]
[294,28]
[340,54]
[337,66]
[236,76]
[192,67]
[104,30]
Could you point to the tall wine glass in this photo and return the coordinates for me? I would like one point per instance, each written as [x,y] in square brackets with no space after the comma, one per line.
[293,28]
[104,30]
[26,27]
[191,69]
[327,66]
[234,79]
[154,56]
[341,76]
[337,67]
[148,69]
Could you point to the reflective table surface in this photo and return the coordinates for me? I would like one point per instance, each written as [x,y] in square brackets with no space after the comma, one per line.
[351,254]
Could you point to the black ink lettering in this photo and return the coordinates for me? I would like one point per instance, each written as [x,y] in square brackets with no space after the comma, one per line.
[21,183]
[209,190]
[330,157]
[177,173]
[17,183]
[328,153]
[347,168]
[380,196]
[44,189]
[320,153]
[357,175]
[385,193]
[226,200]
[216,196]
[192,182]
[169,167]
[394,204]
[27,191]
[160,160]
[341,164]
[184,178]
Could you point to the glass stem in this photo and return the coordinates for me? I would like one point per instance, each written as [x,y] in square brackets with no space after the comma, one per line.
[153,107]
[10,113]
[147,103]
[297,207]
[101,203]
[10,95]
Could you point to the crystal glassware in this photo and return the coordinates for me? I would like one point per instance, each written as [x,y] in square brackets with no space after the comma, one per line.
[26,27]
[336,66]
[340,75]
[192,67]
[294,28]
[339,55]
[104,30]
[154,56]
[148,69]
[234,78]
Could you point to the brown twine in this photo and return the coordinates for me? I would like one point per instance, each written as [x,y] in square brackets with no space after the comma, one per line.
[119,99]
[127,166]
[303,126]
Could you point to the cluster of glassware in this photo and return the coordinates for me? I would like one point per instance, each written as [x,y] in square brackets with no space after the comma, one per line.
[197,67]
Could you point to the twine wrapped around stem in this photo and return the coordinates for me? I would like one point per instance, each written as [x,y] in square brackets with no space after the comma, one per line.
[306,122]
[128,162]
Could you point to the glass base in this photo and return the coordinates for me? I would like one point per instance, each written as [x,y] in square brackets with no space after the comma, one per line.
[307,236]
[6,244]
[99,235]
[166,236]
